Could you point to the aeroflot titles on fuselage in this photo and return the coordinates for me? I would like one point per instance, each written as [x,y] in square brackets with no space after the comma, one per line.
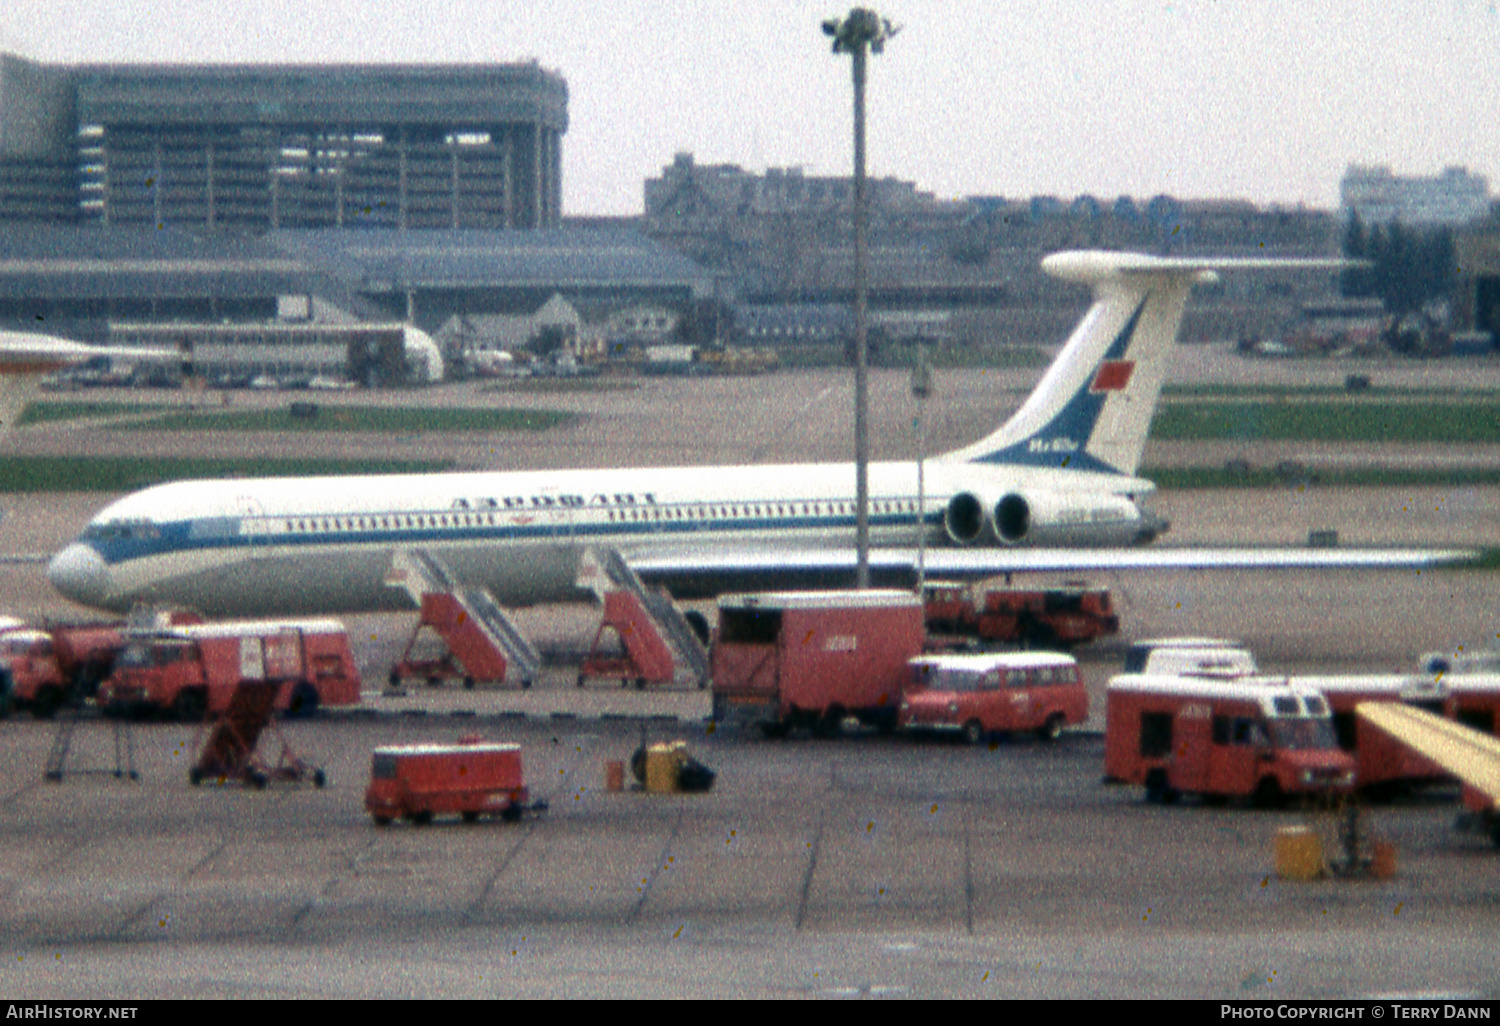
[551,501]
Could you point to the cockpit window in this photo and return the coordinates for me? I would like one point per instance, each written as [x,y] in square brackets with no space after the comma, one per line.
[122,530]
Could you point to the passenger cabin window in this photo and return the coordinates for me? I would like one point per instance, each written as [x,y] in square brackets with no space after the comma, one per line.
[1285,706]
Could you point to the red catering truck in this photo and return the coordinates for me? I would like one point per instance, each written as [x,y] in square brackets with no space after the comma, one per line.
[784,660]
[189,670]
[1238,737]
[470,779]
[1000,692]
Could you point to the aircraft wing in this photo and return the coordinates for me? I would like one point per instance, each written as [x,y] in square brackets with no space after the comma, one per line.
[690,571]
[1468,754]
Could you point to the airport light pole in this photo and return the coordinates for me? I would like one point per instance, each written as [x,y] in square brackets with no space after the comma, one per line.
[861,33]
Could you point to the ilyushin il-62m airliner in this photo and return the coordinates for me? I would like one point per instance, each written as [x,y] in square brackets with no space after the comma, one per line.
[1053,488]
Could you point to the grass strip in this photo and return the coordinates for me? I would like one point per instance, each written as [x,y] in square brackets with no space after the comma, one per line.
[55,410]
[397,419]
[1329,422]
[1189,478]
[128,473]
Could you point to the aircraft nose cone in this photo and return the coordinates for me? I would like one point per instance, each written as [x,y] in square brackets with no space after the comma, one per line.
[78,572]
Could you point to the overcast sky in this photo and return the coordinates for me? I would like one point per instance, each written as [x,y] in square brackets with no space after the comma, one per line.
[1258,99]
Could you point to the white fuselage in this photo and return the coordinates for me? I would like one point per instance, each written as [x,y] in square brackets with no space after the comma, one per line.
[302,545]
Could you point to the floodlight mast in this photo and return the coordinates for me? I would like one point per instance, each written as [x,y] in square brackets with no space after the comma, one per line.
[862,32]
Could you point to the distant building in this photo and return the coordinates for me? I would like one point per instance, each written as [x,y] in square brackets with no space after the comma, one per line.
[688,190]
[257,147]
[1378,196]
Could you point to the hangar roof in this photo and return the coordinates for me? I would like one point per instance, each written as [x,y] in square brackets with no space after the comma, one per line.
[379,260]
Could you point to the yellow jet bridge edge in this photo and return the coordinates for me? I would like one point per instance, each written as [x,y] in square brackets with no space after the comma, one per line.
[1469,754]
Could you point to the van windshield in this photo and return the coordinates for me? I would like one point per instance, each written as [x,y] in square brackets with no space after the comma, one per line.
[1301,734]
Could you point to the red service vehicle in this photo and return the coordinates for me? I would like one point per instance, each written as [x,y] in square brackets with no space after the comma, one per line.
[1001,692]
[36,681]
[809,659]
[472,779]
[1251,737]
[1476,700]
[45,665]
[1066,616]
[1383,765]
[190,670]
[1386,765]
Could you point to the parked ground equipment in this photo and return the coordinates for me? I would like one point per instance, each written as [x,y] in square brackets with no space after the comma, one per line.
[189,670]
[1002,692]
[229,750]
[480,641]
[50,666]
[471,779]
[1383,764]
[1468,754]
[1043,617]
[666,767]
[809,659]
[1253,738]
[643,656]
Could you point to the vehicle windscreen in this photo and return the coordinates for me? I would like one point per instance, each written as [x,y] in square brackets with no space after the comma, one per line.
[1301,733]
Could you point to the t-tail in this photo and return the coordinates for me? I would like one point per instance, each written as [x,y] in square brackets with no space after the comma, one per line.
[1092,409]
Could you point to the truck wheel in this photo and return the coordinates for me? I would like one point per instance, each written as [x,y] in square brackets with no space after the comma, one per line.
[1052,729]
[1158,791]
[189,705]
[382,821]
[46,703]
[420,818]
[468,683]
[1495,829]
[258,780]
[319,779]
[469,816]
[1268,794]
[775,729]
[511,813]
[973,732]
[828,724]
[195,776]
[304,701]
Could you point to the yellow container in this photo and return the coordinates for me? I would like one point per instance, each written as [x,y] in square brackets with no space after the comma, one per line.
[664,765]
[1299,854]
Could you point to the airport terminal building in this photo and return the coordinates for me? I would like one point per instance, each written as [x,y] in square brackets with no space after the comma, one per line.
[260,147]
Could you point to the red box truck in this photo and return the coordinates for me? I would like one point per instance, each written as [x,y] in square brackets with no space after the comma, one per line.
[187,670]
[809,659]
[470,779]
[1260,738]
[1000,692]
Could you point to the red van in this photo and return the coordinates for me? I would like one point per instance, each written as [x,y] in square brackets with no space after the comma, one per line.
[999,692]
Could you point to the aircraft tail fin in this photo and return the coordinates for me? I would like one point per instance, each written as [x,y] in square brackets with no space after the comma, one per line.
[1093,407]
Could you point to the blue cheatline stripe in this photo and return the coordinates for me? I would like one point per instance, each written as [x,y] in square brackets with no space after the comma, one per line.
[1059,444]
[179,537]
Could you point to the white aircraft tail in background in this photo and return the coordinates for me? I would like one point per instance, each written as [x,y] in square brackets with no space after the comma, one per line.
[26,358]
